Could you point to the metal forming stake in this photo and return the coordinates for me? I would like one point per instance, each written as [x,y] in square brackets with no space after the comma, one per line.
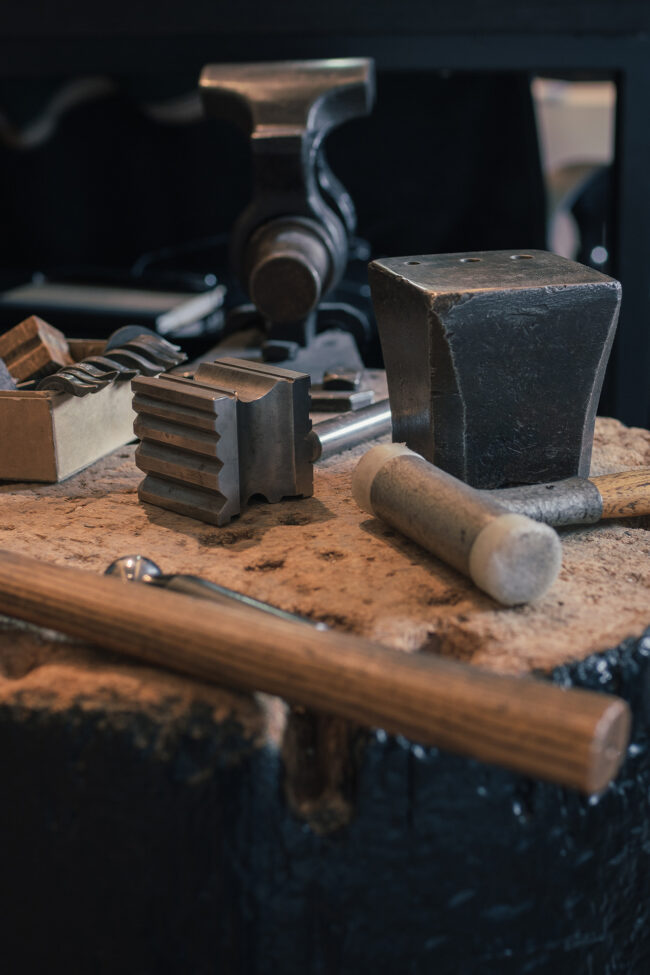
[237,429]
[495,360]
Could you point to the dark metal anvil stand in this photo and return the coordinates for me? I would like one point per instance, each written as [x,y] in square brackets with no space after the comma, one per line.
[290,246]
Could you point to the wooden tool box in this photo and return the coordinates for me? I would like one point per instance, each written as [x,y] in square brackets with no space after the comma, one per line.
[47,436]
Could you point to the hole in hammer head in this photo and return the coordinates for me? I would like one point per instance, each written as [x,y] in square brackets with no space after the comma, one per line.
[412,262]
[521,257]
[470,260]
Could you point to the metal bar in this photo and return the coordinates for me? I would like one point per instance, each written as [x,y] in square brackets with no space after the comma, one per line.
[349,429]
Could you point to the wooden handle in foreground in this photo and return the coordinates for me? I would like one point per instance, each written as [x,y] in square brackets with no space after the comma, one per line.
[572,737]
[625,494]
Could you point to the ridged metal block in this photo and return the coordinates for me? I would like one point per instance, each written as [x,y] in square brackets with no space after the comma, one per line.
[188,447]
[275,451]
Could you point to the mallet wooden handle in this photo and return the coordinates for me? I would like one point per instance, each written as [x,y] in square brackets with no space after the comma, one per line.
[572,737]
[625,494]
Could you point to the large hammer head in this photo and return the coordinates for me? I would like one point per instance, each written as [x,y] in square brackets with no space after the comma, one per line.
[495,360]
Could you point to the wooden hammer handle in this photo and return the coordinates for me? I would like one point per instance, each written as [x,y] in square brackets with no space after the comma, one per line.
[573,737]
[625,494]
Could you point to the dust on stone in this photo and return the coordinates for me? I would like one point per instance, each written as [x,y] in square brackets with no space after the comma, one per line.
[376,587]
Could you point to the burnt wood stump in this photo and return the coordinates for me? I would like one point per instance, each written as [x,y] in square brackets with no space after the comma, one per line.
[136,843]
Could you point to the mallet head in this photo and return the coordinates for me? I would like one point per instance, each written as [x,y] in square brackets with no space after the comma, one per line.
[512,558]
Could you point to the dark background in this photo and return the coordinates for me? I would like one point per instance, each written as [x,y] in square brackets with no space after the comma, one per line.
[448,160]
[441,164]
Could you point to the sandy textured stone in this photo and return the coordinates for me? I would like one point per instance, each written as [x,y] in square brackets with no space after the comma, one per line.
[324,558]
[156,783]
[321,557]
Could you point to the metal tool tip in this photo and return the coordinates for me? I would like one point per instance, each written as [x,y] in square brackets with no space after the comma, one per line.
[134,568]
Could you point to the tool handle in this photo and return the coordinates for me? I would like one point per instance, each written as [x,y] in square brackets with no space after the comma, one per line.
[204,589]
[573,737]
[626,494]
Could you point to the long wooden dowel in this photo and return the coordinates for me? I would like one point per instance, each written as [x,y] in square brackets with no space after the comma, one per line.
[573,737]
[625,494]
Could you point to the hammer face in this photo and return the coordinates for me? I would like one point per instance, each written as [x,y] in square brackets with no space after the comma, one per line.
[495,360]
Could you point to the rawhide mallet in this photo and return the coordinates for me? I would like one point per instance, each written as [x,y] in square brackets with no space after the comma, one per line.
[509,556]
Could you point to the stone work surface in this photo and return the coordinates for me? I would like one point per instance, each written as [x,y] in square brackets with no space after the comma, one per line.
[326,559]
[144,815]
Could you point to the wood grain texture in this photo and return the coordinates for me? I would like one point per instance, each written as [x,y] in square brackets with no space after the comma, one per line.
[572,737]
[33,349]
[626,494]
